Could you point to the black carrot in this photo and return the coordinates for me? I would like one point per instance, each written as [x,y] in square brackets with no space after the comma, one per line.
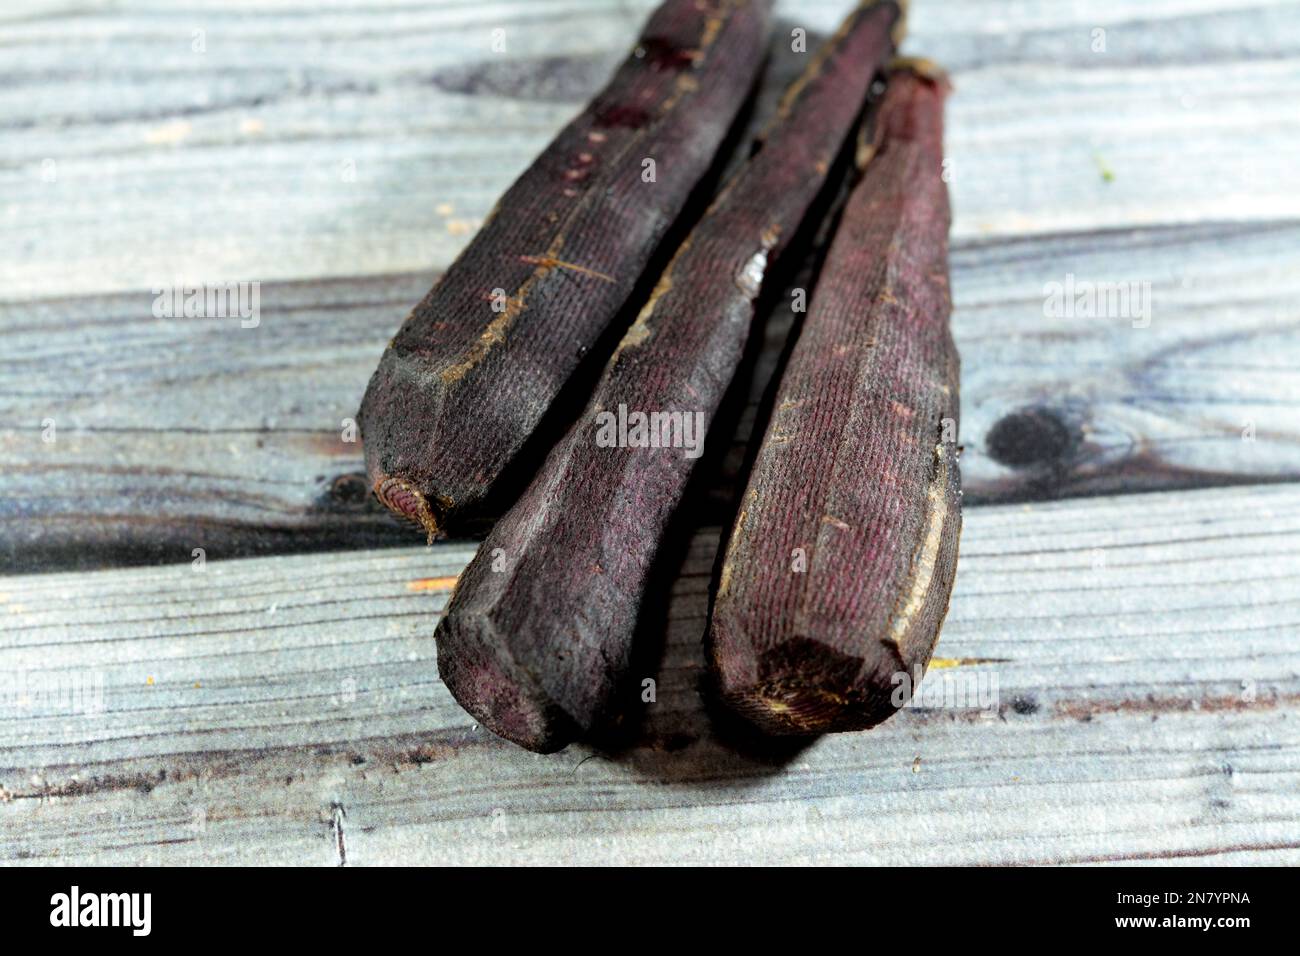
[538,634]
[839,567]
[483,357]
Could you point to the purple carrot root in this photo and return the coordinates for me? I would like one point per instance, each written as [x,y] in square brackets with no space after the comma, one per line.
[538,636]
[484,356]
[841,560]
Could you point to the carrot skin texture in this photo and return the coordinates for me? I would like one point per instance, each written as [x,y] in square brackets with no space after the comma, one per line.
[538,635]
[857,474]
[480,360]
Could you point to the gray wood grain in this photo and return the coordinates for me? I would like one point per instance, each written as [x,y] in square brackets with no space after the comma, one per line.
[287,710]
[177,434]
[1164,159]
[307,140]
[1144,650]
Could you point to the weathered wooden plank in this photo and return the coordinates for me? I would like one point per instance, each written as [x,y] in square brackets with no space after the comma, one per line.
[1144,650]
[170,435]
[1202,389]
[310,140]
[177,434]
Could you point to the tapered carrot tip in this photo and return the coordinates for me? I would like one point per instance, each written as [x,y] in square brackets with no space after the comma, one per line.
[475,665]
[405,500]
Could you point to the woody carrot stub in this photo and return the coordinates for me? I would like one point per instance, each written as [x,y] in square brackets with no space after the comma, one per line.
[482,358]
[839,567]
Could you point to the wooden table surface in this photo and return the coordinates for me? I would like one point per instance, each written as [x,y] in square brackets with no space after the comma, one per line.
[1122,656]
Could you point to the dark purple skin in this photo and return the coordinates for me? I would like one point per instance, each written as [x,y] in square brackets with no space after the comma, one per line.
[538,635]
[841,561]
[472,371]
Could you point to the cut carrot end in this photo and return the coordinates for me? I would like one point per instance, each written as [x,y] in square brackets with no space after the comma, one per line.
[405,500]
